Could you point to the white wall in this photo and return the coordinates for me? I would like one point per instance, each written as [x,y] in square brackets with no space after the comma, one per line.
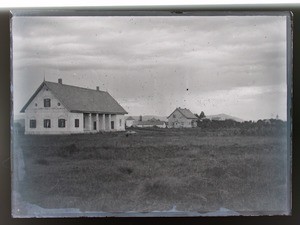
[119,121]
[38,112]
[144,125]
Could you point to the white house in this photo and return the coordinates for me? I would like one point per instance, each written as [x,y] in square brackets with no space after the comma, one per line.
[181,118]
[129,121]
[56,108]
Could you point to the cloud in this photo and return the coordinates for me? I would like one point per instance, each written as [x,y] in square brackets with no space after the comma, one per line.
[153,56]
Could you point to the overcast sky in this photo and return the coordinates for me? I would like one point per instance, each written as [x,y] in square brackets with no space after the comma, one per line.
[151,65]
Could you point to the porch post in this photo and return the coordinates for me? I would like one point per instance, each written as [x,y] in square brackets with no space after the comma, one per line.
[109,121]
[97,122]
[90,121]
[103,121]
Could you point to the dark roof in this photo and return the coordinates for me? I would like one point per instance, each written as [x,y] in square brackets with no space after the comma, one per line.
[78,99]
[150,122]
[185,112]
[130,118]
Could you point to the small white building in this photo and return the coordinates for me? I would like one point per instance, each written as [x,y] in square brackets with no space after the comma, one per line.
[150,123]
[129,121]
[182,118]
[56,108]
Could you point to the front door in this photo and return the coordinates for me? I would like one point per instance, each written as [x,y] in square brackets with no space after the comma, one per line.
[95,125]
[112,123]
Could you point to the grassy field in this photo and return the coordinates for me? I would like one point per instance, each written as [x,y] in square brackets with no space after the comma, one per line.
[155,169]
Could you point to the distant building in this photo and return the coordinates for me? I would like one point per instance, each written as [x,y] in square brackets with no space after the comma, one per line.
[182,118]
[129,121]
[217,118]
[151,123]
[56,108]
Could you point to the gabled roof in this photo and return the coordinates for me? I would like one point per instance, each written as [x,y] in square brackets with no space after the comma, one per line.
[130,118]
[78,99]
[185,112]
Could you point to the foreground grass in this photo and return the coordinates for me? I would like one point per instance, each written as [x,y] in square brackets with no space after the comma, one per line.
[155,169]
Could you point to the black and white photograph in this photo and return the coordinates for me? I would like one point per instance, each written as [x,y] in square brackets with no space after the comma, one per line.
[168,114]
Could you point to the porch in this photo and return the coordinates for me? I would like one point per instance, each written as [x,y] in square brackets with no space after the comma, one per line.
[95,122]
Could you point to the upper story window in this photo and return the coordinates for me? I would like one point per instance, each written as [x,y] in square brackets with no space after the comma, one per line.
[174,116]
[120,122]
[47,102]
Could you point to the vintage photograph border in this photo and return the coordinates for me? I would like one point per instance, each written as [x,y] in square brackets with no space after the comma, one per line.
[290,77]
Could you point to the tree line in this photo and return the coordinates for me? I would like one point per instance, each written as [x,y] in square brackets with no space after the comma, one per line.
[265,126]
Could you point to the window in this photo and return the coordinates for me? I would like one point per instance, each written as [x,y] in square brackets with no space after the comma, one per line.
[47,102]
[112,125]
[61,123]
[120,122]
[47,123]
[76,122]
[35,104]
[32,123]
[58,104]
[174,116]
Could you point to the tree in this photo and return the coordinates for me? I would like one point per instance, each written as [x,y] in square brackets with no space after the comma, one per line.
[202,115]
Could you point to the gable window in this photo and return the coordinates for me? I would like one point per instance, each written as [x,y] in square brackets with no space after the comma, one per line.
[47,102]
[47,123]
[32,123]
[76,122]
[61,123]
[174,116]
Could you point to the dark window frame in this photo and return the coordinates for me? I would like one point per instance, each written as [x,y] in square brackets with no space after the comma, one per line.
[76,123]
[32,123]
[47,102]
[47,125]
[61,123]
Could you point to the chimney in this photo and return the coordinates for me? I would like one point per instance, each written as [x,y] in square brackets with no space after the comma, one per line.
[97,88]
[141,118]
[60,81]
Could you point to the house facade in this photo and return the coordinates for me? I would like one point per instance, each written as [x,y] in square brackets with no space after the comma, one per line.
[56,108]
[182,118]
